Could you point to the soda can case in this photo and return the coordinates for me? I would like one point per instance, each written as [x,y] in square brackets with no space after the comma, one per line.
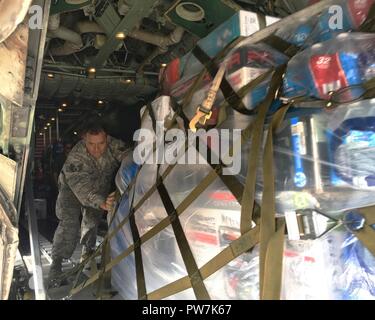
[243,23]
[326,67]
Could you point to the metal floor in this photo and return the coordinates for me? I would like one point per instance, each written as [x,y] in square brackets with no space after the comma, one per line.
[62,292]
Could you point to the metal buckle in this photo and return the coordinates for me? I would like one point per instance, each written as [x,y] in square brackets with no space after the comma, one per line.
[311,224]
[308,224]
[201,116]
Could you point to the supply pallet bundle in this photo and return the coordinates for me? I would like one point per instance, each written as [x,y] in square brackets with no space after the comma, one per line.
[285,209]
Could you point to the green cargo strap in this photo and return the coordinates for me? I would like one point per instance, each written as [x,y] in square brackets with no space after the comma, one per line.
[241,94]
[281,45]
[271,240]
[141,283]
[367,234]
[79,272]
[271,285]
[177,108]
[368,24]
[171,289]
[370,89]
[369,214]
[248,197]
[183,244]
[234,250]
[104,277]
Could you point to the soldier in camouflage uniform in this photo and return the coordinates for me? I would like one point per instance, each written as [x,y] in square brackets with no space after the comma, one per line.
[85,183]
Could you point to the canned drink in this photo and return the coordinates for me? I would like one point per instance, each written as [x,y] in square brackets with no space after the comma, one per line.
[332,72]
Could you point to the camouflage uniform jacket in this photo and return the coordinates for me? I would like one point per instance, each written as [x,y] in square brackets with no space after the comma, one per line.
[88,179]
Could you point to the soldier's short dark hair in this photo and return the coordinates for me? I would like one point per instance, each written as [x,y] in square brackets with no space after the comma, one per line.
[93,127]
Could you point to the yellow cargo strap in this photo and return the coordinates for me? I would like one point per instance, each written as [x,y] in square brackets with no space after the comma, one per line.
[204,112]
[369,87]
[368,24]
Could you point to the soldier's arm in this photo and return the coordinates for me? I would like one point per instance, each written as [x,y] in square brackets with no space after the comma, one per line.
[83,184]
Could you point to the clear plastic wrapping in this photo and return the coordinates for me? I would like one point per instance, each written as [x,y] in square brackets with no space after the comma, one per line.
[346,61]
[358,276]
[323,159]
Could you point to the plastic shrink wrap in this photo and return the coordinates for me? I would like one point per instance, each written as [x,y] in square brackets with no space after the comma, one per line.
[345,61]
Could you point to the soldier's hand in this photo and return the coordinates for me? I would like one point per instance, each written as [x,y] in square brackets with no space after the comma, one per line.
[110,201]
[103,206]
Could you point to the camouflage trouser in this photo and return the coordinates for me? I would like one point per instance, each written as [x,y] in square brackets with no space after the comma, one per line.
[68,210]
